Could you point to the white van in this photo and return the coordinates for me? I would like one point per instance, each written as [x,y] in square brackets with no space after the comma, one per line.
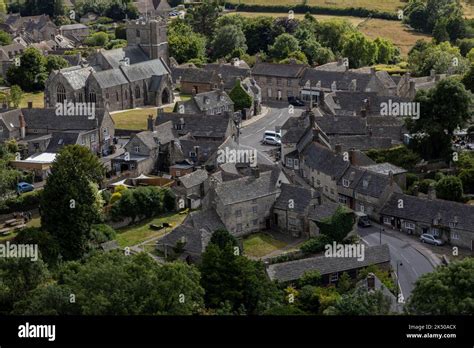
[273,134]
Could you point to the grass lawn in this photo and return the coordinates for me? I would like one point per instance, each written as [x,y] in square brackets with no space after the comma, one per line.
[36,98]
[132,235]
[261,244]
[135,119]
[381,5]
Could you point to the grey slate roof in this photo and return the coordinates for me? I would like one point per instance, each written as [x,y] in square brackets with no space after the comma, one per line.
[425,210]
[148,138]
[197,230]
[342,125]
[323,211]
[133,53]
[293,270]
[165,132]
[372,184]
[215,99]
[195,178]
[343,79]
[279,70]
[361,142]
[77,76]
[195,75]
[385,168]
[324,160]
[301,198]
[110,78]
[61,139]
[198,125]
[144,70]
[47,118]
[11,119]
[248,188]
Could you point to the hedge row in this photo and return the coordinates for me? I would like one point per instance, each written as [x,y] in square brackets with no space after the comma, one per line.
[338,11]
[24,202]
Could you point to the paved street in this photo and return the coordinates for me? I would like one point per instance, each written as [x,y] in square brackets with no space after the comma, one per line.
[252,134]
[415,260]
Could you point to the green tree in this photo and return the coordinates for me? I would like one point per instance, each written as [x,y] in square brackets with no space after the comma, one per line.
[203,18]
[230,277]
[387,52]
[30,74]
[284,46]
[5,38]
[442,110]
[260,32]
[450,188]
[468,79]
[361,302]
[184,43]
[338,226]
[98,39]
[344,283]
[449,290]
[55,63]
[69,205]
[240,97]
[360,50]
[227,40]
[16,94]
[18,276]
[467,178]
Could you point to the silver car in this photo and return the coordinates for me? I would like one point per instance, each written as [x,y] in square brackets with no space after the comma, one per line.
[430,239]
[272,141]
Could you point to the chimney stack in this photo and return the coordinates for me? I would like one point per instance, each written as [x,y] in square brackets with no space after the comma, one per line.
[150,123]
[22,126]
[371,282]
[432,192]
[352,156]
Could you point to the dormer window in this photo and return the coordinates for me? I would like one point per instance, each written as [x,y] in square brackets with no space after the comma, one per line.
[137,149]
[345,183]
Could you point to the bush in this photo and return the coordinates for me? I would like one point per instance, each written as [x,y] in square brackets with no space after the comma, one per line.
[26,201]
[102,233]
[316,244]
[424,185]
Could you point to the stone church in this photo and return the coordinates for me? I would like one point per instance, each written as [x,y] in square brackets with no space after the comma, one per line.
[121,78]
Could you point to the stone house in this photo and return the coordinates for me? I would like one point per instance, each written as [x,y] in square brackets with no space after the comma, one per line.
[7,56]
[245,204]
[278,81]
[450,221]
[141,154]
[215,102]
[192,188]
[196,80]
[31,28]
[76,32]
[330,268]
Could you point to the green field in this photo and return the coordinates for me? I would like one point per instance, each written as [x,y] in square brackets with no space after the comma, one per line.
[380,5]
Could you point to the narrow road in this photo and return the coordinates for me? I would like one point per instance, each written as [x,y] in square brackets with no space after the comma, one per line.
[412,262]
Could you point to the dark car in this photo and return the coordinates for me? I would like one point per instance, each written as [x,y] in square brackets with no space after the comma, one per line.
[363,220]
[295,101]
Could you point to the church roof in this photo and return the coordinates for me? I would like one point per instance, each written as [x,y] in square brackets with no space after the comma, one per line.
[144,70]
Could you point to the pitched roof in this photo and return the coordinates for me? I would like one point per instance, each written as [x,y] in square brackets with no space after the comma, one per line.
[361,142]
[343,125]
[114,57]
[199,125]
[385,168]
[426,210]
[165,132]
[279,70]
[300,196]
[248,188]
[148,138]
[144,70]
[292,270]
[207,100]
[195,178]
[60,139]
[47,118]
[110,78]
[324,160]
[343,79]
[195,75]
[196,229]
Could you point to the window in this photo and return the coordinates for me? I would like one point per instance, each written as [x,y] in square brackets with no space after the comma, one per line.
[279,81]
[61,93]
[192,154]
[92,97]
[435,232]
[361,208]
[334,277]
[93,137]
[255,209]
[289,93]
[106,131]
[452,224]
[386,220]
[138,33]
[239,227]
[343,199]
[454,236]
[289,162]
[238,213]
[178,173]
[289,82]
[137,149]
[137,92]
[269,80]
[345,183]
[255,222]
[296,163]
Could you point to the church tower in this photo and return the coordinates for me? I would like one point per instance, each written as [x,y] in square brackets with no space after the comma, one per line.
[150,35]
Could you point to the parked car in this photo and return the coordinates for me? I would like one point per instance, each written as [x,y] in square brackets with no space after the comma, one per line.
[430,239]
[295,101]
[363,220]
[22,187]
[273,134]
[272,141]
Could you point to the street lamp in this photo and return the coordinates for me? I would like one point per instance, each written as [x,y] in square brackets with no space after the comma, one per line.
[399,263]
